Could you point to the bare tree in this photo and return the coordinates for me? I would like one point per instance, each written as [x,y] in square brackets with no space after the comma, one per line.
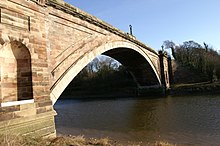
[170,44]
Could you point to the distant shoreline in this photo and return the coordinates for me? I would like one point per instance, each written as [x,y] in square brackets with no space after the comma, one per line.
[195,88]
[176,89]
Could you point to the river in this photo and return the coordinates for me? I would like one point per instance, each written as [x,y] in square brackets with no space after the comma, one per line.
[179,120]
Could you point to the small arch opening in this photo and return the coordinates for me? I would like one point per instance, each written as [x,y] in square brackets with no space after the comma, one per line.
[16,73]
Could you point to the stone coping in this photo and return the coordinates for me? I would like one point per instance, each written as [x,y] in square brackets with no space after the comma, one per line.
[14,103]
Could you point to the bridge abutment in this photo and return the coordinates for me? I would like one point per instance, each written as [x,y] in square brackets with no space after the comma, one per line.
[25,105]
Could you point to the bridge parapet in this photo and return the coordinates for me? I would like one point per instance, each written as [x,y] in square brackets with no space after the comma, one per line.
[76,12]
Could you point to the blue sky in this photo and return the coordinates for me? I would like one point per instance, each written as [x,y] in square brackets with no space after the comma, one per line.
[155,21]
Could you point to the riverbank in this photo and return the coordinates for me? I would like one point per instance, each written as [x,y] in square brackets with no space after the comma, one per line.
[12,140]
[176,89]
[195,88]
[15,140]
[104,93]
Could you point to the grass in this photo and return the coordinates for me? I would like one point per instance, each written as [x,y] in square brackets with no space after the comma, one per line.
[17,140]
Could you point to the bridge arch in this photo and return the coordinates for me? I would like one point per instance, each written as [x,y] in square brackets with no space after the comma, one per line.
[106,49]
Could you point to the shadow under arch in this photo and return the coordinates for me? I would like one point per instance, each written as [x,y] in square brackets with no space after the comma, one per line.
[136,64]
[109,50]
[16,72]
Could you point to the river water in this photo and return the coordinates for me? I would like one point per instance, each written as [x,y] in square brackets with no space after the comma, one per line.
[180,120]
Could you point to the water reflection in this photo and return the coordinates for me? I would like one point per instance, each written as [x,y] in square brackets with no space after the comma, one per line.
[185,120]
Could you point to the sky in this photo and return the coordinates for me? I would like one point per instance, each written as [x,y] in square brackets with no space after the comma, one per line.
[154,21]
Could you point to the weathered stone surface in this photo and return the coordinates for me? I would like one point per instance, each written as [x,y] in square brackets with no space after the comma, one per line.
[6,116]
[9,109]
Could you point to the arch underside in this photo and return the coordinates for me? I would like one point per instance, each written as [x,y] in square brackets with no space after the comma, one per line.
[128,54]
[136,64]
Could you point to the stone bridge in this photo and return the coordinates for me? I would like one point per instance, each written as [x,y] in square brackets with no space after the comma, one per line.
[44,45]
